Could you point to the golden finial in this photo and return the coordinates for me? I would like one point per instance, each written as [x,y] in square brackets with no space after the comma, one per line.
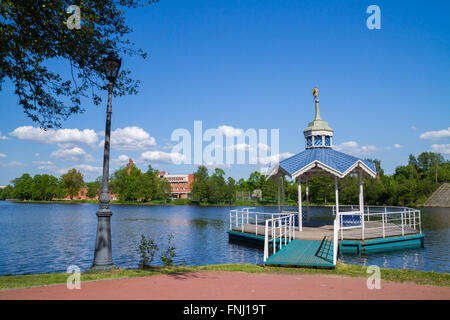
[315,92]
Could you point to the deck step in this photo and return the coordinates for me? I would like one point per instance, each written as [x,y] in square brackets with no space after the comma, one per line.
[312,253]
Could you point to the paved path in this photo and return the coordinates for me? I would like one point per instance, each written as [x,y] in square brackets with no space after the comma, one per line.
[232,285]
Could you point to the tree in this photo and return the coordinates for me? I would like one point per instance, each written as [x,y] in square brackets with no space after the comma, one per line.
[216,186]
[128,183]
[32,33]
[73,181]
[199,185]
[94,188]
[45,187]
[230,190]
[23,187]
[7,192]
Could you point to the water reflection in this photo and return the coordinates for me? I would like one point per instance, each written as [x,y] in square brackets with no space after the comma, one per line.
[48,238]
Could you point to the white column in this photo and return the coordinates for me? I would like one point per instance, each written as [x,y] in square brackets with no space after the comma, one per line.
[300,222]
[361,201]
[282,186]
[307,200]
[278,189]
[336,192]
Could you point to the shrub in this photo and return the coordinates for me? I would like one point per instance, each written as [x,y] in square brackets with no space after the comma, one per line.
[146,250]
[168,255]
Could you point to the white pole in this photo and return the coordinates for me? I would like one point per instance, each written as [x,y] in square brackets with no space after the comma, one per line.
[266,241]
[336,191]
[282,185]
[256,224]
[307,200]
[300,222]
[278,189]
[361,201]
[285,230]
[403,223]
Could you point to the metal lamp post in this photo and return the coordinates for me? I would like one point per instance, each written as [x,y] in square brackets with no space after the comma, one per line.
[103,251]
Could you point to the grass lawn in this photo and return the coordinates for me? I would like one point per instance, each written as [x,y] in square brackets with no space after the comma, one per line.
[395,275]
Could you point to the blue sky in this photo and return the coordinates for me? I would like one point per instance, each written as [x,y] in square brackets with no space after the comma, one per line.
[252,64]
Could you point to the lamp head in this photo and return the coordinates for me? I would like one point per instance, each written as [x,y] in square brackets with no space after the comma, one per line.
[111,66]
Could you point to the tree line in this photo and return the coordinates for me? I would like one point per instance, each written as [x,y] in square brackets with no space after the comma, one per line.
[128,183]
[410,185]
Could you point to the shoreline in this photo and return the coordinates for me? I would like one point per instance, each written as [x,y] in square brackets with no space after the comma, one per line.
[9,282]
[183,203]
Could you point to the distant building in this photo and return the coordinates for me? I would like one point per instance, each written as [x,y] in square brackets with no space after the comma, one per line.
[81,195]
[180,184]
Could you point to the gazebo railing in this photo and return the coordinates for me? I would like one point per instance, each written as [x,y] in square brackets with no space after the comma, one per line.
[379,222]
[278,232]
[245,220]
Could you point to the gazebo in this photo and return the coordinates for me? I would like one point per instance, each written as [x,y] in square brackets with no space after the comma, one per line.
[319,159]
[294,240]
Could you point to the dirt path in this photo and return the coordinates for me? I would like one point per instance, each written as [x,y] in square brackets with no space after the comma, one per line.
[232,285]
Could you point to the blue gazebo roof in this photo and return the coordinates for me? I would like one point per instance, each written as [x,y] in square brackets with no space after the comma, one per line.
[326,159]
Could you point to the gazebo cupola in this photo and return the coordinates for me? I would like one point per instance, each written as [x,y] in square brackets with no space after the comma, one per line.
[318,134]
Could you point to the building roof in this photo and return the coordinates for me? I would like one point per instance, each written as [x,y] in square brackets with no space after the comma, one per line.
[321,159]
[316,161]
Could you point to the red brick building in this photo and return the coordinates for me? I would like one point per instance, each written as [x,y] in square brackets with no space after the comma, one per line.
[181,184]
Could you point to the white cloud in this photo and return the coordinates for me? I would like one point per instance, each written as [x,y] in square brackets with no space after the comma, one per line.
[160,156]
[11,164]
[61,136]
[85,169]
[398,146]
[274,158]
[2,137]
[263,147]
[353,147]
[130,138]
[229,131]
[441,148]
[74,154]
[436,135]
[239,147]
[213,165]
[53,169]
[121,160]
[42,163]
[37,154]
[247,147]
[2,155]
[88,169]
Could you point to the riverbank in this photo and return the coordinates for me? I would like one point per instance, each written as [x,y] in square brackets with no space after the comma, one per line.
[237,282]
[169,203]
[348,270]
